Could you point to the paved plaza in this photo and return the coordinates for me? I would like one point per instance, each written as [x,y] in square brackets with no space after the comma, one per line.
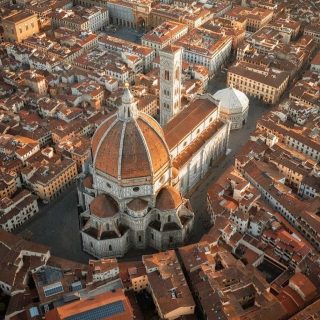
[57,226]
[125,34]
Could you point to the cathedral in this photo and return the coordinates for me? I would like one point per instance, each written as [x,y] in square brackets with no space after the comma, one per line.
[133,193]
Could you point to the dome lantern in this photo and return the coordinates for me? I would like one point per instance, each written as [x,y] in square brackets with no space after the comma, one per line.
[128,108]
[130,145]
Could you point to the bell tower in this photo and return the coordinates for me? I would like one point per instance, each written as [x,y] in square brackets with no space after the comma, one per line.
[170,82]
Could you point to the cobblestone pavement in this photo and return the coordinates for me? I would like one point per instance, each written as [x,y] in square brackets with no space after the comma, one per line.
[56,225]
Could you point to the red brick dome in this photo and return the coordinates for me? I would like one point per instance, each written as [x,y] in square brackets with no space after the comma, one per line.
[104,206]
[168,198]
[130,144]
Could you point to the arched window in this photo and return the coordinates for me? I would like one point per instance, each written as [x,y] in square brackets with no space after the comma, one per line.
[110,247]
[169,218]
[158,216]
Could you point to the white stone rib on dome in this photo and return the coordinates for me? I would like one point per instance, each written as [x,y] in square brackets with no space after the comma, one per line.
[231,98]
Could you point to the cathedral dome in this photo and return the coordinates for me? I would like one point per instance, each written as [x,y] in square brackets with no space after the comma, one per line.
[130,144]
[168,198]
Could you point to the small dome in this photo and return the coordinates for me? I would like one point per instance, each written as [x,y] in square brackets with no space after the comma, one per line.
[104,206]
[232,99]
[168,199]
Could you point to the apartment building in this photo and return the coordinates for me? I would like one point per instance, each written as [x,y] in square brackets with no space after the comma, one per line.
[205,47]
[255,18]
[80,18]
[287,25]
[103,64]
[8,184]
[193,16]
[19,26]
[166,33]
[261,82]
[301,214]
[305,91]
[313,30]
[168,286]
[50,180]
[300,138]
[229,27]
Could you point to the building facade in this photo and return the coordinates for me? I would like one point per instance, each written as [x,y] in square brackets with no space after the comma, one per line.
[257,81]
[20,26]
[207,48]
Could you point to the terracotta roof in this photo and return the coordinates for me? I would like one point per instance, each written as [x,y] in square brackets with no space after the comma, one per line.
[171,48]
[107,154]
[92,304]
[100,132]
[168,198]
[187,120]
[104,206]
[316,59]
[130,149]
[305,286]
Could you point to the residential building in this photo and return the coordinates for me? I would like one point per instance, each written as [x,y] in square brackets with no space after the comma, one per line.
[17,210]
[115,45]
[49,180]
[168,285]
[111,303]
[19,26]
[207,48]
[163,35]
[80,19]
[259,82]
[255,18]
